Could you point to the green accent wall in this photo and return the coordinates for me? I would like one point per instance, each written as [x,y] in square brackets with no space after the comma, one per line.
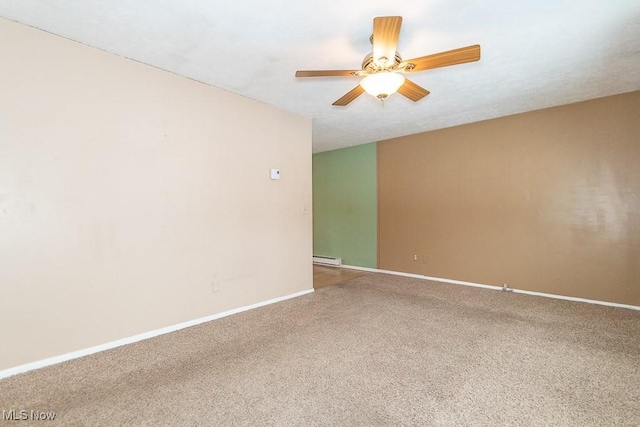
[345,217]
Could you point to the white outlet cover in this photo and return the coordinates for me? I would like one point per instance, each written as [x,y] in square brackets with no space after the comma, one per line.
[274,173]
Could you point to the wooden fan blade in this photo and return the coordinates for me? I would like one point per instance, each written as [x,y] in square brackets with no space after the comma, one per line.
[443,59]
[386,30]
[349,96]
[412,90]
[328,73]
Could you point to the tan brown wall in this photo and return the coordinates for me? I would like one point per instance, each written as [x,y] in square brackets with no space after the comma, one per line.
[546,201]
[125,191]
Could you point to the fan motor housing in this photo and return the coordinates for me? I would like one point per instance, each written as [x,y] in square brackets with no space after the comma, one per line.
[370,66]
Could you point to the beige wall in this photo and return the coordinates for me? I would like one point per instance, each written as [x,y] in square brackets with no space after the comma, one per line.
[546,201]
[125,191]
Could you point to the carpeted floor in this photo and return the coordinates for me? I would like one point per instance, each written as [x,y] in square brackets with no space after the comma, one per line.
[376,350]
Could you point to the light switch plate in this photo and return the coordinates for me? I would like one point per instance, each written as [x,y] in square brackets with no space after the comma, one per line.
[274,173]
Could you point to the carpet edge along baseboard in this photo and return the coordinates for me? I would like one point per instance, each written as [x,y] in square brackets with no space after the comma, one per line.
[139,337]
[492,287]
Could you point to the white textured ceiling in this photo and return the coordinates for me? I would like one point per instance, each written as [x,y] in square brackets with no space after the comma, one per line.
[535,53]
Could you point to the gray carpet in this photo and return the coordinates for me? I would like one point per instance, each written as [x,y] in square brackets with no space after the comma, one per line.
[376,350]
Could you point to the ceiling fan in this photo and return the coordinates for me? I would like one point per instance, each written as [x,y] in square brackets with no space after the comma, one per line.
[381,69]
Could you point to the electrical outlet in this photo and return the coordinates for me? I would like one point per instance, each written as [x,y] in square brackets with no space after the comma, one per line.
[214,286]
[415,257]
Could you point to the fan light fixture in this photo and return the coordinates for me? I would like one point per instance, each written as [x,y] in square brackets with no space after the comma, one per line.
[382,84]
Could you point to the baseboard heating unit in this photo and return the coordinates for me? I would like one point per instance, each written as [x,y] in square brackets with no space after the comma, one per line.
[327,260]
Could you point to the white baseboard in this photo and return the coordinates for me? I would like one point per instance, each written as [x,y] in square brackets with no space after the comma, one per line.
[129,340]
[496,288]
